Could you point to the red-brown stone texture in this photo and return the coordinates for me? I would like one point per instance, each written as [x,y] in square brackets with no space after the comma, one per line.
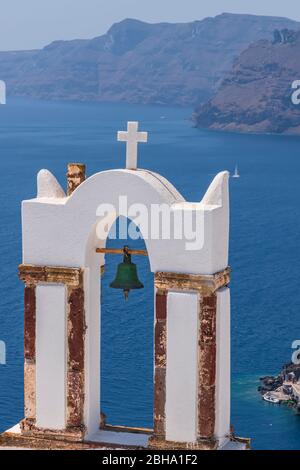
[159,402]
[161,306]
[29,390]
[207,366]
[29,351]
[75,399]
[160,352]
[29,322]
[160,344]
[75,176]
[76,340]
[76,329]
[32,275]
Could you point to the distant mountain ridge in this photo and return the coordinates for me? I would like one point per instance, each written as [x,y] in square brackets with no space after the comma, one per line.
[256,96]
[137,62]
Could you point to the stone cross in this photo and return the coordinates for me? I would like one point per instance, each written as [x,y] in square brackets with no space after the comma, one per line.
[132,137]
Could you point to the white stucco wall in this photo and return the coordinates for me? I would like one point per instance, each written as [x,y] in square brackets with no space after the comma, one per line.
[223,378]
[56,229]
[182,367]
[51,356]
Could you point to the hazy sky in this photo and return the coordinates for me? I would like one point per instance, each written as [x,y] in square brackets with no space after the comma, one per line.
[26,24]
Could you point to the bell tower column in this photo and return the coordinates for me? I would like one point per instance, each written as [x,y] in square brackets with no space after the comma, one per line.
[192,361]
[54,372]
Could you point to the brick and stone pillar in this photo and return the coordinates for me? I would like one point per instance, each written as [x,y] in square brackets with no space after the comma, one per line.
[160,362]
[54,352]
[192,361]
[207,367]
[75,357]
[29,352]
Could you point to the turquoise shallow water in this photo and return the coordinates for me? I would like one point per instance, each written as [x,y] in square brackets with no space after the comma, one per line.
[264,251]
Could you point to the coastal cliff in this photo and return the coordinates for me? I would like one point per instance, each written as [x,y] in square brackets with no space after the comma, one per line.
[256,96]
[137,62]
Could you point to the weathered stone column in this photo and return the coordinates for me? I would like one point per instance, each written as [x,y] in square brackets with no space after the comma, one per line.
[29,353]
[160,362]
[75,362]
[30,278]
[188,360]
[63,287]
[207,367]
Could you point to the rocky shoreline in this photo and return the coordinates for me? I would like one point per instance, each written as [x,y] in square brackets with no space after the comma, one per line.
[284,387]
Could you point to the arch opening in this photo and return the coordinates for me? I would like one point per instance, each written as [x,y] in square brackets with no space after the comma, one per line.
[119,343]
[127,340]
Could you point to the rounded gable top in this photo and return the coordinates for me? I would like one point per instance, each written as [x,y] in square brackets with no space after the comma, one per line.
[147,186]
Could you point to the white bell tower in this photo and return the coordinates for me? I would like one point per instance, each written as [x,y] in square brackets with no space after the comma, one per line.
[62,260]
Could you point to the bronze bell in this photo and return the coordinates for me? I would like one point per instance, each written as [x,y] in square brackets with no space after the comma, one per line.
[126,278]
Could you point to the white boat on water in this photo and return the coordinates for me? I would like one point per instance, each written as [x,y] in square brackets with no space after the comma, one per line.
[236,172]
[268,397]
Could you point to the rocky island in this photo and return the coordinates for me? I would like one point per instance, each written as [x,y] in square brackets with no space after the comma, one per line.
[284,387]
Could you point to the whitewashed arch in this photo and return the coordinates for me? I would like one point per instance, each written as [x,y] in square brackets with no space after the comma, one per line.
[56,228]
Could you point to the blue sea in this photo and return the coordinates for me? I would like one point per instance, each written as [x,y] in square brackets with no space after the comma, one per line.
[264,250]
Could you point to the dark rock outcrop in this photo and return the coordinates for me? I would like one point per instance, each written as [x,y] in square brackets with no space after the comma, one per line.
[256,96]
[138,62]
[271,383]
